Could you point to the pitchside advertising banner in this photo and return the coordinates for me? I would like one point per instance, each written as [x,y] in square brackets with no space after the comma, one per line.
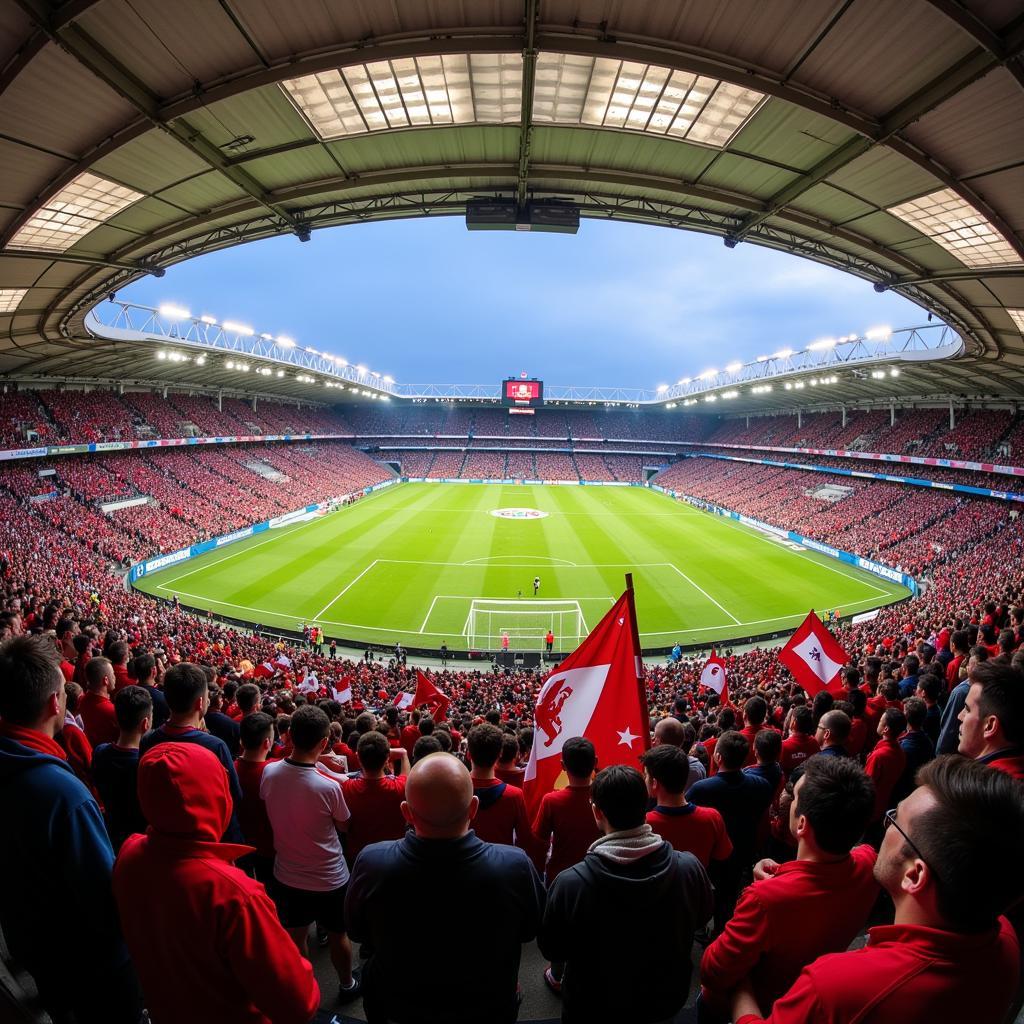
[885,571]
[151,565]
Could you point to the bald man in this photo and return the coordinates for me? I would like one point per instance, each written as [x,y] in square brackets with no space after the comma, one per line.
[671,732]
[446,973]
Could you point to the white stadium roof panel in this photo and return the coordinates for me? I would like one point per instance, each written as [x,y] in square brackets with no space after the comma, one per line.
[83,204]
[10,298]
[959,228]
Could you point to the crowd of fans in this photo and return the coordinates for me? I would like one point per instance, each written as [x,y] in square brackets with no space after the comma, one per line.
[776,826]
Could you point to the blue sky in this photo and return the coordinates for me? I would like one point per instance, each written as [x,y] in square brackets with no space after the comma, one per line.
[427,301]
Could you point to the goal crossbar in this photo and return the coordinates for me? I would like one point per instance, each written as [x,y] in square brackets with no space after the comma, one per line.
[525,623]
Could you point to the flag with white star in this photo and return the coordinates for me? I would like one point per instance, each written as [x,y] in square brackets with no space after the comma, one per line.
[597,692]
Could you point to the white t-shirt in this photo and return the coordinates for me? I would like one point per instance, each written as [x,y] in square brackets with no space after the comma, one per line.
[303,804]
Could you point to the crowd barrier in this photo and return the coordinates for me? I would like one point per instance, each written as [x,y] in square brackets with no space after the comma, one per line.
[877,568]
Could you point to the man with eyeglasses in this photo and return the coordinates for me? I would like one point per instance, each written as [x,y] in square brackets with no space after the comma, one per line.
[950,862]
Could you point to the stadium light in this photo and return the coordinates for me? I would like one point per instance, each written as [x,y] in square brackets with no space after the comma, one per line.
[730,394]
[822,344]
[361,369]
[172,312]
[662,388]
[878,374]
[200,360]
[234,328]
[763,359]
[267,337]
[711,398]
[389,380]
[161,355]
[284,341]
[878,333]
[734,367]
[230,365]
[341,361]
[708,374]
[783,353]
[207,319]
[894,372]
[685,380]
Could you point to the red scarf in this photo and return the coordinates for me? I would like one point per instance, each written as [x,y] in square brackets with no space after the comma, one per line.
[33,739]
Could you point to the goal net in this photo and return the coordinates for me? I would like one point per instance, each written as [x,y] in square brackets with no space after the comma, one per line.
[526,623]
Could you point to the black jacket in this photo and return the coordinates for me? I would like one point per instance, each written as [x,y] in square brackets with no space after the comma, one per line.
[625,933]
[450,968]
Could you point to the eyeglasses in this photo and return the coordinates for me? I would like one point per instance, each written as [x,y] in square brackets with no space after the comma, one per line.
[890,819]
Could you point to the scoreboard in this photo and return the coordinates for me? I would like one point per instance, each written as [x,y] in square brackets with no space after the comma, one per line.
[521,393]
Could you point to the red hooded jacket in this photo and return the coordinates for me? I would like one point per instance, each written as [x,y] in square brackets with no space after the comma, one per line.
[204,936]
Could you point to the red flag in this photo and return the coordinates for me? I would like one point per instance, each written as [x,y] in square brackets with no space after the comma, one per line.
[715,677]
[344,695]
[264,670]
[597,692]
[427,693]
[814,657]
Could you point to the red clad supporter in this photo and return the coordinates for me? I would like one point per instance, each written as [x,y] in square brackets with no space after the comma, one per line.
[800,744]
[410,732]
[374,799]
[755,711]
[689,828]
[96,706]
[887,762]
[992,719]
[800,910]
[564,820]
[256,738]
[951,864]
[501,816]
[204,936]
[507,769]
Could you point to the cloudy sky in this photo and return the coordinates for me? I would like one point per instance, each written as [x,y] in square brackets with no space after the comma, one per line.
[426,301]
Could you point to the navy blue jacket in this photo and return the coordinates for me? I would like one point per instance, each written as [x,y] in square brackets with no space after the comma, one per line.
[741,799]
[908,687]
[949,733]
[114,773]
[55,869]
[225,728]
[449,974]
[919,750]
[219,749]
[161,709]
[771,773]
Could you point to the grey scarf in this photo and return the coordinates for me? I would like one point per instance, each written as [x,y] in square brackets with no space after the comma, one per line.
[628,845]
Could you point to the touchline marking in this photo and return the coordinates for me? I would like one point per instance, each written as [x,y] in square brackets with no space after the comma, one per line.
[704,592]
[338,596]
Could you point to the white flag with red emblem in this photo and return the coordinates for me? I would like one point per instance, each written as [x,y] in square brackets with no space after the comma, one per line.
[344,695]
[814,657]
[597,692]
[403,700]
[715,677]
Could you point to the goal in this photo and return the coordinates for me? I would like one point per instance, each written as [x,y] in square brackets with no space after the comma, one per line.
[525,622]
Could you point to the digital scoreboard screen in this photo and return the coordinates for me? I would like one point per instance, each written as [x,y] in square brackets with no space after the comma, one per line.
[519,393]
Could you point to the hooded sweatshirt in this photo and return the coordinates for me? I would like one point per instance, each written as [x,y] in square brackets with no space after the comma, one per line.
[55,864]
[205,937]
[630,884]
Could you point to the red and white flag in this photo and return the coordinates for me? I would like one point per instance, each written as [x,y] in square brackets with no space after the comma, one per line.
[264,670]
[814,657]
[715,676]
[283,660]
[344,695]
[428,694]
[309,682]
[403,700]
[597,692]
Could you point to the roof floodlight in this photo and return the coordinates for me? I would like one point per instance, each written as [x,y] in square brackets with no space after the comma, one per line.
[284,341]
[823,343]
[207,319]
[878,333]
[172,312]
[783,353]
[235,328]
[734,367]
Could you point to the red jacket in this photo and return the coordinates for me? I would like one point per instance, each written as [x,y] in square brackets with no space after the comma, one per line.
[885,766]
[1010,761]
[795,750]
[376,808]
[204,936]
[502,816]
[99,718]
[786,922]
[906,973]
[565,820]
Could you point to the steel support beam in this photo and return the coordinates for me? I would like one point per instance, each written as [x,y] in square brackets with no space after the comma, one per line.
[526,115]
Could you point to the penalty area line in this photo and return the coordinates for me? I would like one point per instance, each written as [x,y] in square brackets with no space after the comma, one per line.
[705,593]
[337,597]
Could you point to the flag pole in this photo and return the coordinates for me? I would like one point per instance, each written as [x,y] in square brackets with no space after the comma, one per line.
[638,667]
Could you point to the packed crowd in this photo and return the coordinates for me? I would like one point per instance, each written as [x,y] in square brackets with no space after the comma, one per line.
[773,829]
[913,530]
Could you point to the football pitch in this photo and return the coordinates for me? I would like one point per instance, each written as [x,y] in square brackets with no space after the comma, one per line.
[426,564]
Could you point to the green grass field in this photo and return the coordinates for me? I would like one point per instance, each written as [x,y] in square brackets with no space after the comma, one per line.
[407,564]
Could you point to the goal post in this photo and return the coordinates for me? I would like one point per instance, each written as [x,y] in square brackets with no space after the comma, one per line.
[526,623]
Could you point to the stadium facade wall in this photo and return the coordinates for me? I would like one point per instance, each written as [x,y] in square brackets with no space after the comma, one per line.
[848,557]
[980,492]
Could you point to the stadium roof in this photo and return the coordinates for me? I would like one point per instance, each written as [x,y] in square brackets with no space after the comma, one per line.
[885,138]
